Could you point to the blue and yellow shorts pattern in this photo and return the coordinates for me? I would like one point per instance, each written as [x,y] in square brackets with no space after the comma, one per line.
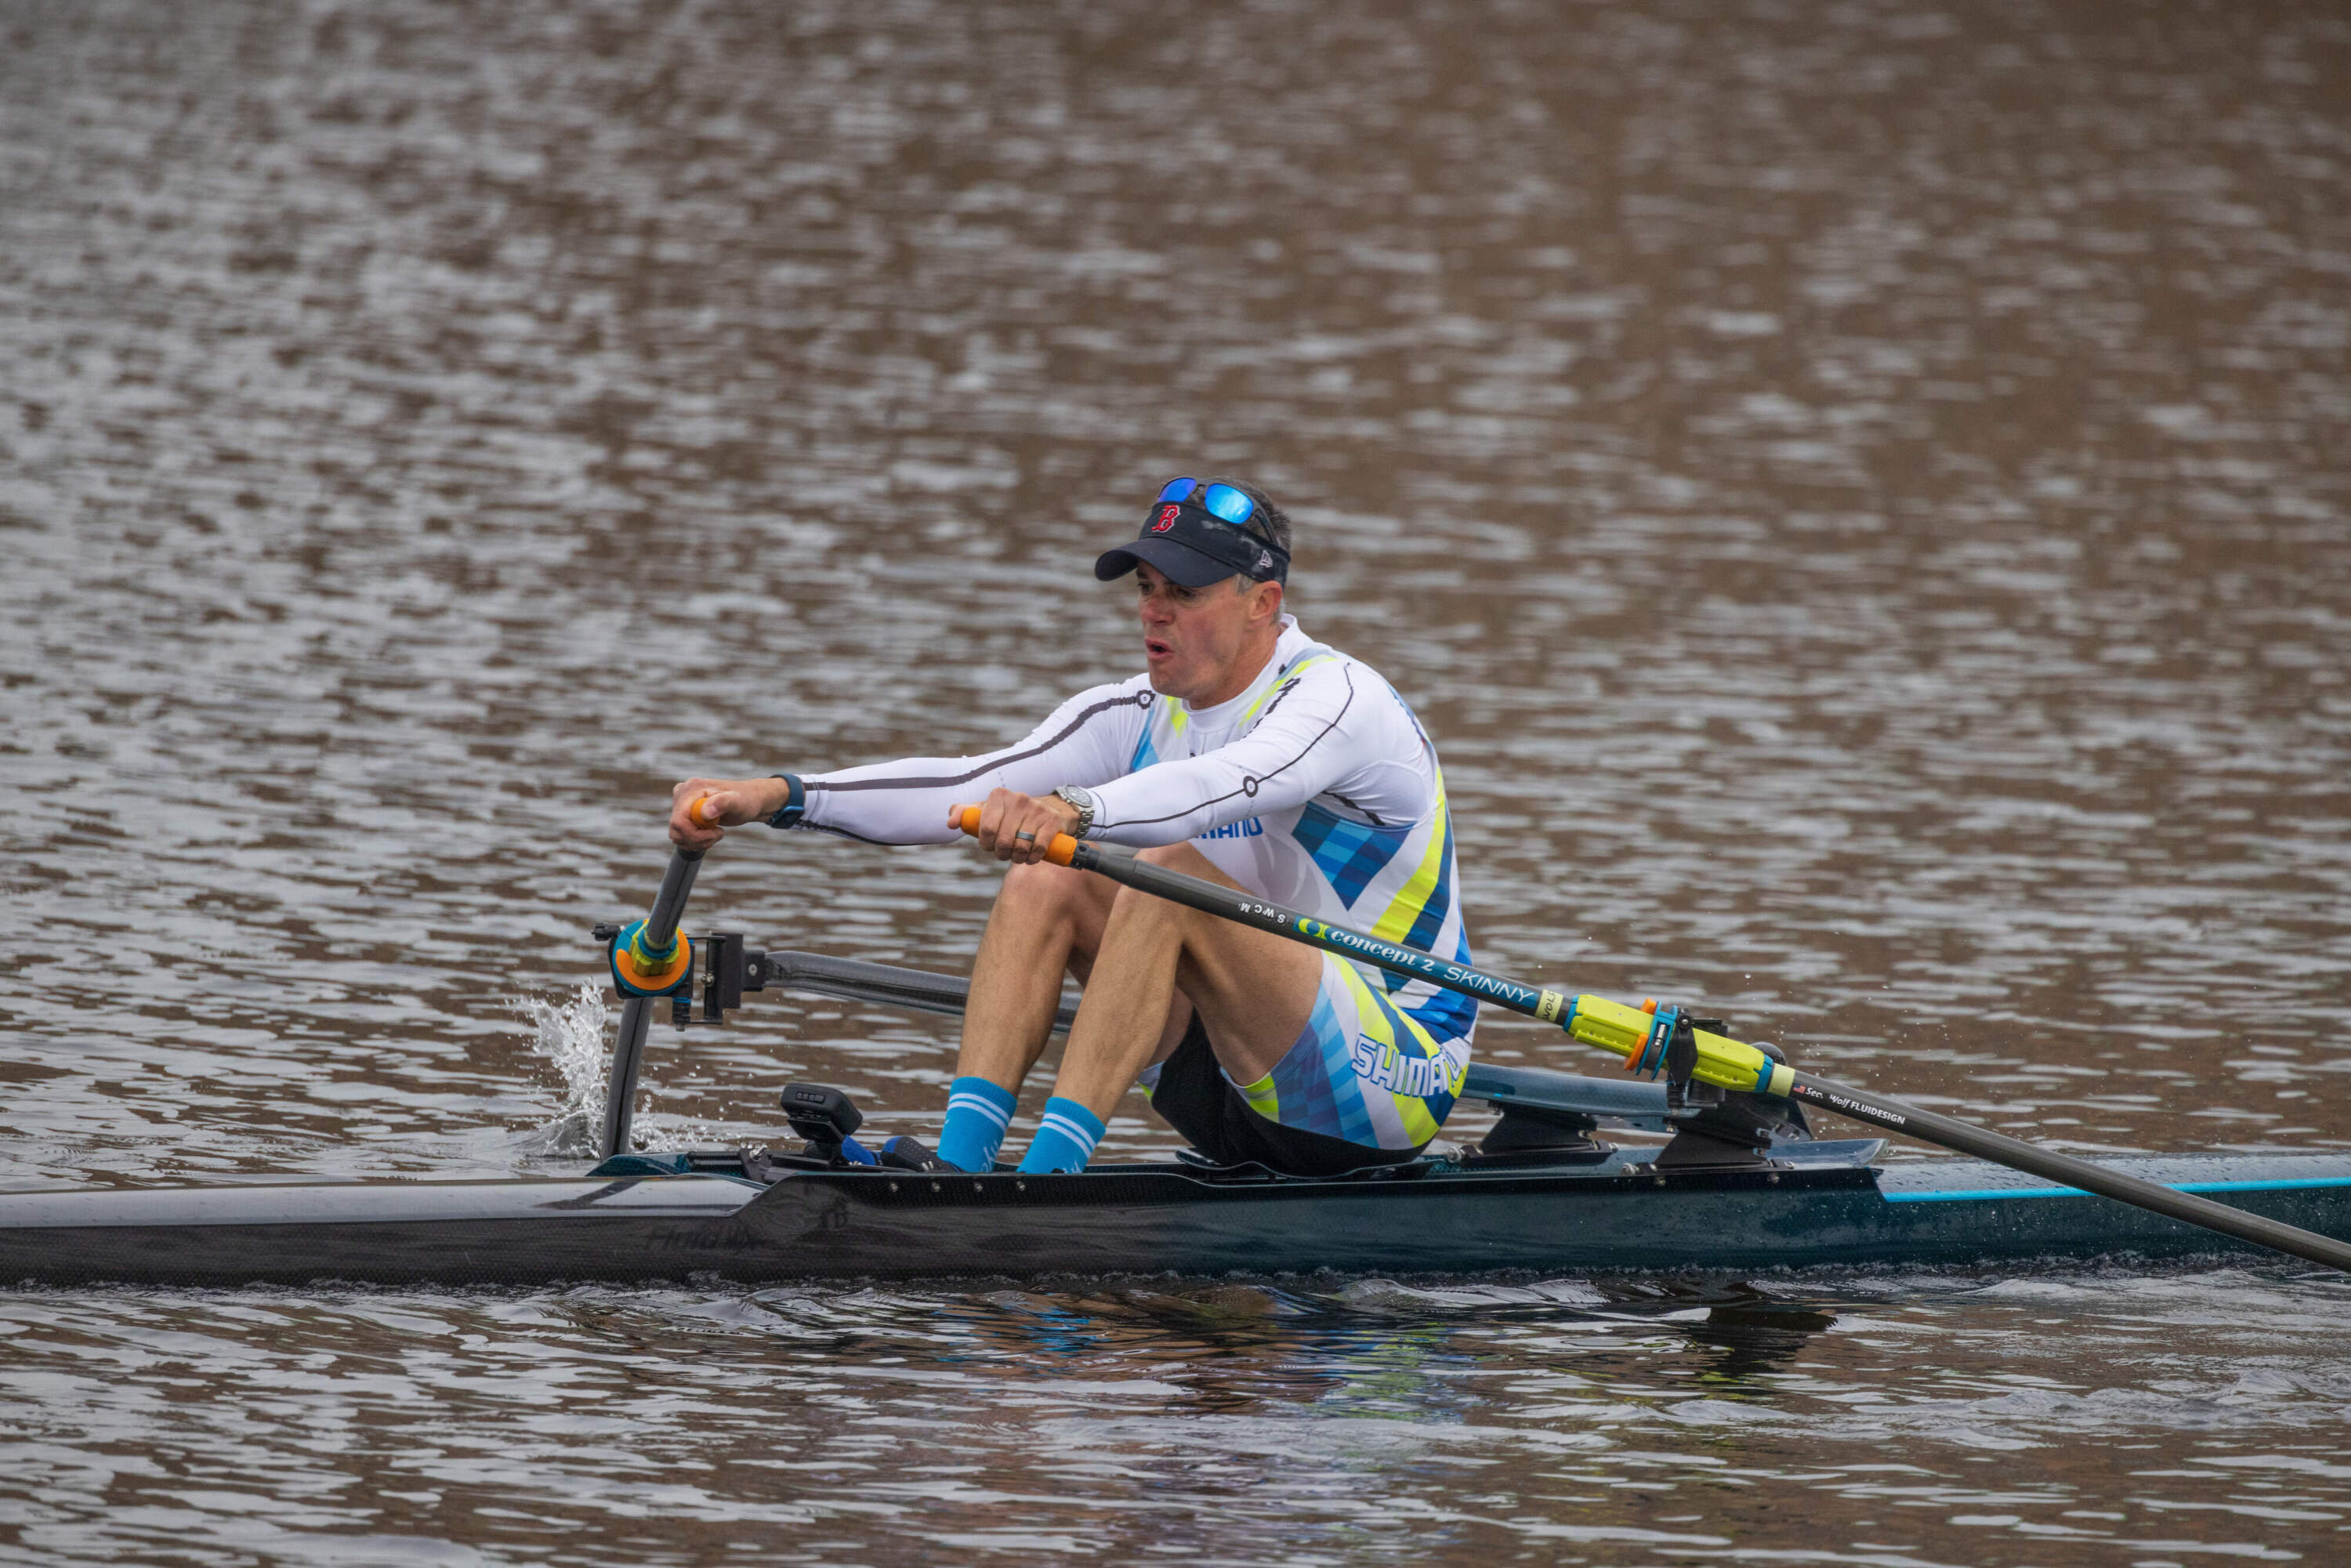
[1363,1069]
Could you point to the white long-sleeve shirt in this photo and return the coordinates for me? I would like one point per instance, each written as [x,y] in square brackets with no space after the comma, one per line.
[1314,787]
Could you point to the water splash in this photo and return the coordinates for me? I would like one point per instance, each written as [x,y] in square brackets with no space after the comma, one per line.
[576,1035]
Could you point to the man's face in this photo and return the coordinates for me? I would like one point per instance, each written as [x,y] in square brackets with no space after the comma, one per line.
[1193,637]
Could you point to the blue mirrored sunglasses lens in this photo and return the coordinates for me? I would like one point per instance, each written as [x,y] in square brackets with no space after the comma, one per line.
[1176,490]
[1230,504]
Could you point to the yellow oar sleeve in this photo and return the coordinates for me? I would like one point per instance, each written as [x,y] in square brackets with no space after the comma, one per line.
[1613,1027]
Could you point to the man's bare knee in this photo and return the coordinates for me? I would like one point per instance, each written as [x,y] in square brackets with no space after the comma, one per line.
[1052,903]
[1042,886]
[1133,905]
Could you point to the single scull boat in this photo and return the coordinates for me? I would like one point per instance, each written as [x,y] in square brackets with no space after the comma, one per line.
[1741,1185]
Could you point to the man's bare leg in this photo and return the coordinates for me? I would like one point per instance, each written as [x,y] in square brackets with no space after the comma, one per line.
[1255,991]
[1048,922]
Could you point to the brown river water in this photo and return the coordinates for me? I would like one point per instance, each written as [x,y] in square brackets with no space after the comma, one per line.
[1858,493]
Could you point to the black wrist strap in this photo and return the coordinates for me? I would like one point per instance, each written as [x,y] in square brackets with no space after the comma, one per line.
[796,802]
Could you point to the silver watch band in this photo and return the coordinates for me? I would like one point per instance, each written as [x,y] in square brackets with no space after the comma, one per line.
[1084,800]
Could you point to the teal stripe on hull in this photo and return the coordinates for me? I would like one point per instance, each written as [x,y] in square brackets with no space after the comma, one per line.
[2283,1186]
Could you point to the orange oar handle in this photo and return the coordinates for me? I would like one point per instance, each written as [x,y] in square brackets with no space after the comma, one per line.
[694,813]
[1060,852]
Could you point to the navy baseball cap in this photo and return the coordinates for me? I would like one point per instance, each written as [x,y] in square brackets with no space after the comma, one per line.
[1196,535]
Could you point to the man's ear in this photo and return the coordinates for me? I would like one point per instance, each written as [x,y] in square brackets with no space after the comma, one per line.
[1269,601]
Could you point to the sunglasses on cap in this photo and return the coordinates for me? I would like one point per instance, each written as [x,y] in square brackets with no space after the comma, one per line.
[1225,503]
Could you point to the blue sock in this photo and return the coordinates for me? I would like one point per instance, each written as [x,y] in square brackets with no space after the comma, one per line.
[1066,1135]
[977,1112]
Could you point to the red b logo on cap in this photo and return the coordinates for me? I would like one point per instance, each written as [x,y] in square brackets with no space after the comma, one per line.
[1167,516]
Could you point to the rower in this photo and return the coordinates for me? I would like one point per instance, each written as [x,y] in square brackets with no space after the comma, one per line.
[1248,753]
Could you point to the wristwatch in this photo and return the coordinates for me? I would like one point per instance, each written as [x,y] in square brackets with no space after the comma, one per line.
[788,815]
[1083,799]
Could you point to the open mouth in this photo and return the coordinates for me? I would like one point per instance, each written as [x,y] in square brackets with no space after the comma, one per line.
[1153,648]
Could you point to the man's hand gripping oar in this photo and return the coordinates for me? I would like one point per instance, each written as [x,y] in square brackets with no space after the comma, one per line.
[1668,1040]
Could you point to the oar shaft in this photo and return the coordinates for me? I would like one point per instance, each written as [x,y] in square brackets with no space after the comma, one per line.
[1246,908]
[669,903]
[1963,1137]
[1595,1020]
[1250,910]
[637,1012]
[621,1078]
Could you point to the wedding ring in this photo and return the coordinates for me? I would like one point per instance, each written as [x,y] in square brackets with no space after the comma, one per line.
[1024,838]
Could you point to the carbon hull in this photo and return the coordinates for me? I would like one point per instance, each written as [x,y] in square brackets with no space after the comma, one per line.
[1825,1210]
